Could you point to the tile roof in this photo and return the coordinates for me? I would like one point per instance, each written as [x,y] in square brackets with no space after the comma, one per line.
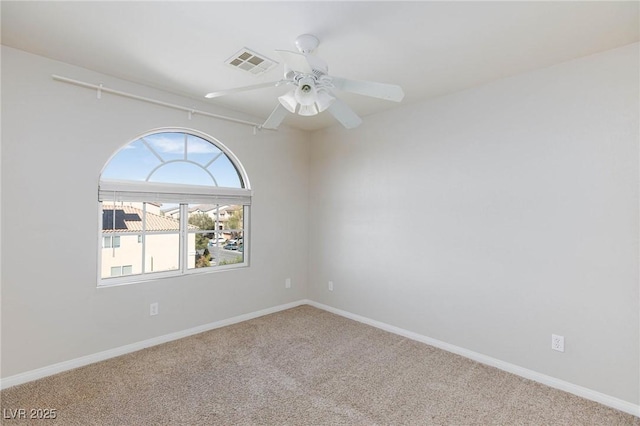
[129,219]
[209,207]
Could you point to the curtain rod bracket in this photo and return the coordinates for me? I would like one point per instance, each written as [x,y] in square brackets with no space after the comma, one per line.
[99,94]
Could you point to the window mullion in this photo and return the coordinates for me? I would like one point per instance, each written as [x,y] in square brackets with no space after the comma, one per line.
[184,221]
[217,225]
[113,226]
[186,145]
[144,239]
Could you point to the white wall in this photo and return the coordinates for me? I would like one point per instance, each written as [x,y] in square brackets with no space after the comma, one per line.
[56,138]
[487,219]
[491,218]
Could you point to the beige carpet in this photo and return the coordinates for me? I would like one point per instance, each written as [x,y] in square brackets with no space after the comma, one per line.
[303,366]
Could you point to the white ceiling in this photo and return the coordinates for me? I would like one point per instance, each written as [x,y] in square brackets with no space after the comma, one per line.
[428,48]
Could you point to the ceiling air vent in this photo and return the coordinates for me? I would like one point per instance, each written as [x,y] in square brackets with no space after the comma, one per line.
[250,61]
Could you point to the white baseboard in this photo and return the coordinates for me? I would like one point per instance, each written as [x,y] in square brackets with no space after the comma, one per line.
[581,391]
[111,353]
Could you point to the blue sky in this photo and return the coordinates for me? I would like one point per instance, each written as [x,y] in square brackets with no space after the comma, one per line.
[165,158]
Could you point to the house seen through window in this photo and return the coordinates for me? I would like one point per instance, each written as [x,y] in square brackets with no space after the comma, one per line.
[173,202]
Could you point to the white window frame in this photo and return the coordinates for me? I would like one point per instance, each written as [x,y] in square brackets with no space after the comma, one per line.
[113,191]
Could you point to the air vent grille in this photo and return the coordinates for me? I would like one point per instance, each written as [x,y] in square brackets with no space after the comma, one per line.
[251,62]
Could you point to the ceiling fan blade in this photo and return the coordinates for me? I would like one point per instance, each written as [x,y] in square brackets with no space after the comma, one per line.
[277,115]
[344,114]
[296,61]
[390,92]
[244,89]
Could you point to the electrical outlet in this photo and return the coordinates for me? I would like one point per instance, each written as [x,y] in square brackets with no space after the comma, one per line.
[287,283]
[557,343]
[153,309]
[330,285]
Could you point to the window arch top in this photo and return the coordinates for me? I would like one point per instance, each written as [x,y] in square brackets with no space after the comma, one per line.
[176,156]
[173,202]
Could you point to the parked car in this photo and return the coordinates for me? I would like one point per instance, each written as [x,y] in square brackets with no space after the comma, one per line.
[230,246]
[215,242]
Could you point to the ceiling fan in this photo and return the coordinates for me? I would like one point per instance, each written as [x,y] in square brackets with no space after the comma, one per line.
[312,88]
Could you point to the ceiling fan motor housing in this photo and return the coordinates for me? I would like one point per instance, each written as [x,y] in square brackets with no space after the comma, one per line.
[306,43]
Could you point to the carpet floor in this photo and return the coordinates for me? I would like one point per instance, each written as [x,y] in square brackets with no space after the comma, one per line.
[302,366]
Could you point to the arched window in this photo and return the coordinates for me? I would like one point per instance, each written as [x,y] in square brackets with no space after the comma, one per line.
[172,202]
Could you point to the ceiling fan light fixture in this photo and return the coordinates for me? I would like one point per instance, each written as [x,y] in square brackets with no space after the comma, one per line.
[324,100]
[308,110]
[306,93]
[288,100]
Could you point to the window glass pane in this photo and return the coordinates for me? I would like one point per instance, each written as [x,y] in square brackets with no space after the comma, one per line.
[170,210]
[202,225]
[116,241]
[201,151]
[170,157]
[224,244]
[233,222]
[233,231]
[203,217]
[133,162]
[116,271]
[225,173]
[168,146]
[121,217]
[162,252]
[127,270]
[129,253]
[183,173]
[219,251]
[202,258]
[232,252]
[157,218]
